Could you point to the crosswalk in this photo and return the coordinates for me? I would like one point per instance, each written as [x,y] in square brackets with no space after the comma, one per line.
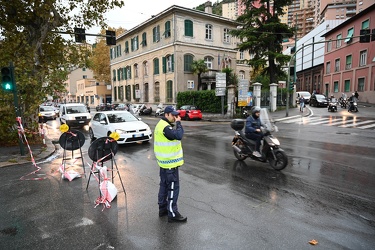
[339,121]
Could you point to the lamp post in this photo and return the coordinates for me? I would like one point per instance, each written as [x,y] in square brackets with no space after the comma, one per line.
[295,69]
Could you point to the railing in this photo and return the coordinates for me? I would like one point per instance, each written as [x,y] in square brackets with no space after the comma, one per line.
[211,74]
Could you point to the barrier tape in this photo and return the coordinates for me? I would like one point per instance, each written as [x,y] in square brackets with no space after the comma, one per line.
[21,134]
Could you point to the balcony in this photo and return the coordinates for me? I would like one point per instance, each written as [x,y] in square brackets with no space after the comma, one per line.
[209,76]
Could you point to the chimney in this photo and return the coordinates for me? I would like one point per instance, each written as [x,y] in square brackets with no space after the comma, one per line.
[208,7]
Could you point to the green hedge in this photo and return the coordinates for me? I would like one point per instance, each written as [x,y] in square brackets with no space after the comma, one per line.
[205,100]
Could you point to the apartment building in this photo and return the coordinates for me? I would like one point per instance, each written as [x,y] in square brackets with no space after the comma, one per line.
[349,64]
[71,83]
[151,62]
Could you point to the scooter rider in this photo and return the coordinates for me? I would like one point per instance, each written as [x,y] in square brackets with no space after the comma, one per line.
[253,131]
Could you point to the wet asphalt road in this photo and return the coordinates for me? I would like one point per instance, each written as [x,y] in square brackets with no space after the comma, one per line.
[326,193]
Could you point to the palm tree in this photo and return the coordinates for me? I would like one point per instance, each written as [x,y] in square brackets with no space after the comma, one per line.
[198,67]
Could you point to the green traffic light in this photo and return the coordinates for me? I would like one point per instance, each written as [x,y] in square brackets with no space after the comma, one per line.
[6,79]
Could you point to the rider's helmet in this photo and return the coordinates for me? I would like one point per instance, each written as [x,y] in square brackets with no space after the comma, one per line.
[352,94]
[255,110]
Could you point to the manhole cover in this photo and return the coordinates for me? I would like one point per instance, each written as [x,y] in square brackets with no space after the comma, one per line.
[12,231]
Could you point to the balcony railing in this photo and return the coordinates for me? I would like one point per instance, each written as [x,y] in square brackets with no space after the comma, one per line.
[209,75]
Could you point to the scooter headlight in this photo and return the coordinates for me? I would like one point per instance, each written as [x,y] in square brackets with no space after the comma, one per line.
[275,141]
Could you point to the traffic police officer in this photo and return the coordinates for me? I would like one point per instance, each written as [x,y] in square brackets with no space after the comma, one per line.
[169,155]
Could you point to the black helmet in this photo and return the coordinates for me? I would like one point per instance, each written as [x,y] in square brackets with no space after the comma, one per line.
[255,110]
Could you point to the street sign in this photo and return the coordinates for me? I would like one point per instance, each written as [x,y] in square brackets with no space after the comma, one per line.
[220,91]
[190,84]
[221,81]
[243,88]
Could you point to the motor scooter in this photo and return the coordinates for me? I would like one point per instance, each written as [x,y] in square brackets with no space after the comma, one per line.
[332,105]
[353,106]
[270,148]
[160,110]
[144,110]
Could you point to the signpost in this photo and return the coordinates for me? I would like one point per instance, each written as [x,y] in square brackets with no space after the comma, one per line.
[221,84]
[243,88]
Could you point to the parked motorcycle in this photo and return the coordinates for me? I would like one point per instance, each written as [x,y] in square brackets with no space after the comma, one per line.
[144,110]
[160,110]
[332,105]
[353,106]
[270,148]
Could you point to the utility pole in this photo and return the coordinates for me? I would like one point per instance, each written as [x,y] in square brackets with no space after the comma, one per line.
[295,70]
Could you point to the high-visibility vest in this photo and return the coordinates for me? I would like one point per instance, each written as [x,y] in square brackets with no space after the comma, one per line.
[168,153]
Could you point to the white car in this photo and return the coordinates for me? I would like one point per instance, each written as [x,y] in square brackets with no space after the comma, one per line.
[130,128]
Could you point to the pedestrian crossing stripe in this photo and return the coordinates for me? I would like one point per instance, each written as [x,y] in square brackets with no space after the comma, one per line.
[341,122]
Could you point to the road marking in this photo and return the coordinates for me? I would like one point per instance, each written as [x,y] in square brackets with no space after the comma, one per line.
[367,126]
[321,122]
[355,124]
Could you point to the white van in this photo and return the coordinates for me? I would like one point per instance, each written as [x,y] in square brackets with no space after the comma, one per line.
[74,114]
[306,95]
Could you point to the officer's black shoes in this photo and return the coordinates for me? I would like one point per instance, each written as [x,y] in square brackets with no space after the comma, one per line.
[177,218]
[163,213]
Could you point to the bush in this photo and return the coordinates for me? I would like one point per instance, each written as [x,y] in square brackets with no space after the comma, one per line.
[205,100]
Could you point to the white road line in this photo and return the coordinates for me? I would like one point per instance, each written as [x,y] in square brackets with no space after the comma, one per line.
[367,126]
[323,120]
[355,124]
[342,121]
[307,120]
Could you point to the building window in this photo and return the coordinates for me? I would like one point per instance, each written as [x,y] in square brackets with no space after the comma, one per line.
[169,88]
[328,68]
[145,92]
[338,42]
[335,87]
[167,32]
[226,36]
[348,64]
[189,28]
[156,34]
[209,62]
[363,58]
[128,72]
[188,60]
[168,63]
[144,39]
[208,31]
[241,74]
[337,65]
[157,92]
[329,46]
[366,24]
[114,75]
[145,68]
[134,43]
[83,69]
[350,35]
[241,55]
[135,70]
[84,76]
[126,47]
[347,86]
[156,66]
[361,84]
[123,74]
[128,94]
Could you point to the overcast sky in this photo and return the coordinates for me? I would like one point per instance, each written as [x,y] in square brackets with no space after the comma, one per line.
[137,11]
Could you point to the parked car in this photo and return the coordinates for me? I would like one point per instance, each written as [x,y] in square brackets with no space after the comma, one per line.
[318,100]
[190,112]
[122,106]
[306,95]
[47,112]
[130,128]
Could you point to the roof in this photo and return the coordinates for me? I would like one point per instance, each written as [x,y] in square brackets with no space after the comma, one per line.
[350,20]
[174,8]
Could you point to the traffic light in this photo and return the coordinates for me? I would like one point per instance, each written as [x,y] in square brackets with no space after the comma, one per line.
[110,37]
[364,36]
[79,34]
[291,86]
[7,79]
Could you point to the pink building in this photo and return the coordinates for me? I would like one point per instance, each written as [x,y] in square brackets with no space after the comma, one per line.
[348,64]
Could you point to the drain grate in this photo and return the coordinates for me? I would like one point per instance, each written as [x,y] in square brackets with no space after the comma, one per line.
[343,133]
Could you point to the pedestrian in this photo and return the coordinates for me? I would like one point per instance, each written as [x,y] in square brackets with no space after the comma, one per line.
[169,155]
[253,130]
[301,103]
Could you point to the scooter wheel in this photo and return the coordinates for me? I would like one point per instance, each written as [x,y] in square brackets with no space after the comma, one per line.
[281,160]
[239,156]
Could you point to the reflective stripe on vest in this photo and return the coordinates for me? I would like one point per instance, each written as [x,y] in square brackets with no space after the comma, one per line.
[168,153]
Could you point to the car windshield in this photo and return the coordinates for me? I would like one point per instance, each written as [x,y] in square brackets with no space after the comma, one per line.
[76,109]
[305,94]
[46,108]
[121,117]
[320,97]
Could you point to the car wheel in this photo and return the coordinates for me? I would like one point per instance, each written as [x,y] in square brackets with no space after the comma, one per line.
[91,134]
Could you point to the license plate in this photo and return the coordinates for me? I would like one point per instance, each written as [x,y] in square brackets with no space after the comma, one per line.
[81,121]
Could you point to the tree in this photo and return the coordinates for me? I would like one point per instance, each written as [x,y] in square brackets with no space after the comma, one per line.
[198,67]
[262,33]
[30,38]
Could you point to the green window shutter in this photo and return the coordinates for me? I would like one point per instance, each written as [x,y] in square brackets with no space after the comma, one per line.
[164,61]
[144,39]
[133,86]
[130,72]
[137,43]
[188,28]
[172,62]
[347,85]
[167,32]
[127,47]
[123,73]
[114,75]
[156,66]
[132,44]
[154,34]
[118,74]
[188,59]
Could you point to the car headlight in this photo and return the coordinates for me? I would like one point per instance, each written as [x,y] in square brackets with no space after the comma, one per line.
[148,128]
[120,131]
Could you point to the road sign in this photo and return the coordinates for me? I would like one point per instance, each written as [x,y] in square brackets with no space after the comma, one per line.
[221,80]
[220,91]
[243,88]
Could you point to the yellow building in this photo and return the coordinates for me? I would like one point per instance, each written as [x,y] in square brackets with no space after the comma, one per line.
[151,62]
